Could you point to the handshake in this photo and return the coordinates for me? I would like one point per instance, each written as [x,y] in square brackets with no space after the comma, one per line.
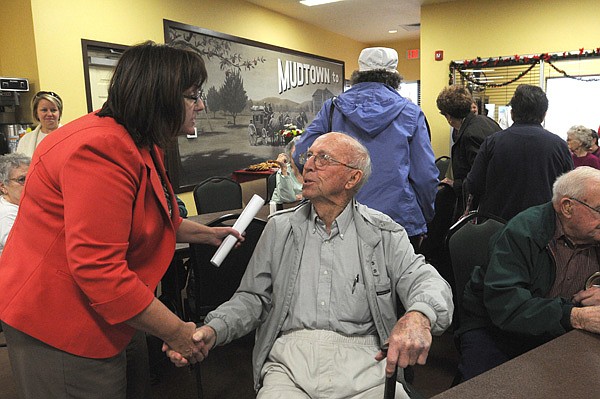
[184,351]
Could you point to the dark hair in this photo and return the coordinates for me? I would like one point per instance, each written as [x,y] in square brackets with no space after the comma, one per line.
[146,91]
[455,101]
[392,79]
[529,104]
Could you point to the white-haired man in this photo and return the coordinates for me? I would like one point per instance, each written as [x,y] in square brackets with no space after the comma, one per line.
[534,286]
[321,290]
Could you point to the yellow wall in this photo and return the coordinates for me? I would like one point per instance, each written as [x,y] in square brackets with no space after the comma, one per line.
[17,50]
[59,28]
[409,69]
[471,28]
[45,47]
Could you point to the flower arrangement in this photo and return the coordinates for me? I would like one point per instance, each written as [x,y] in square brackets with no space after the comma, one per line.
[290,131]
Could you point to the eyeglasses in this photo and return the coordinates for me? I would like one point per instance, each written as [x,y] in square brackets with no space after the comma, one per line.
[586,205]
[321,160]
[20,180]
[195,97]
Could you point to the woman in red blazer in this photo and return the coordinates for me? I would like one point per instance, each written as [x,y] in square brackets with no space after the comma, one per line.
[96,231]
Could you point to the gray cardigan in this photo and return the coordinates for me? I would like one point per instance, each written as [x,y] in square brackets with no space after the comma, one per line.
[389,265]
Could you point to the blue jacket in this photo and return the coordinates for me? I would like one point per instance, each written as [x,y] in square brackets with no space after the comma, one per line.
[404,179]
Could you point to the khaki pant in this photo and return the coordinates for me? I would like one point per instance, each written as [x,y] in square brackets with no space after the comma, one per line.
[324,364]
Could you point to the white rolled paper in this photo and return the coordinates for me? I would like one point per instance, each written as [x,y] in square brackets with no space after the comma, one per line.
[256,202]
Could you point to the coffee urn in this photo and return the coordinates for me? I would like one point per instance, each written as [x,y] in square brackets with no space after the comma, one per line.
[10,91]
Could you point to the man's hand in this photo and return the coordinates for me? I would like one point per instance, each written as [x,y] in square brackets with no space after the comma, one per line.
[586,318]
[204,339]
[589,297]
[409,342]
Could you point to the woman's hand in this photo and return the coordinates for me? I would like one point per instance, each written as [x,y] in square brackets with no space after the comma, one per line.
[192,232]
[282,160]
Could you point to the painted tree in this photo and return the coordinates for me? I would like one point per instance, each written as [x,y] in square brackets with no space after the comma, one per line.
[232,93]
[213,101]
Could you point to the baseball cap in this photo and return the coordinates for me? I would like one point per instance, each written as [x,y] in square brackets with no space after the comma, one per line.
[372,58]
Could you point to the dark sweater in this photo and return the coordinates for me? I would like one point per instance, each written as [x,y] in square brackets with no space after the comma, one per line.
[515,169]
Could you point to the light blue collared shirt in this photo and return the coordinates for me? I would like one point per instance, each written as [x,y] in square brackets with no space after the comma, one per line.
[329,293]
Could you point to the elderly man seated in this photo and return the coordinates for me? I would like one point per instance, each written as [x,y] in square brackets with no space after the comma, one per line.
[534,287]
[321,290]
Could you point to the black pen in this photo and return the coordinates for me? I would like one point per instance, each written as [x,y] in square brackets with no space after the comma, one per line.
[354,284]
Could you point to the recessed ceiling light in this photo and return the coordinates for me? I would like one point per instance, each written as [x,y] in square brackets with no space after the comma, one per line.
[311,3]
[393,31]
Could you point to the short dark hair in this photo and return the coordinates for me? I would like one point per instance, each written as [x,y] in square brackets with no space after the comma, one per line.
[529,104]
[391,79]
[146,91]
[455,101]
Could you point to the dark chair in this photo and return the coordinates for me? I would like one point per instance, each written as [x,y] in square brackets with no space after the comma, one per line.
[216,194]
[434,246]
[468,243]
[271,184]
[214,285]
[442,164]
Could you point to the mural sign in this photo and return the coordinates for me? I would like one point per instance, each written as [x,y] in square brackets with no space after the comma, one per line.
[254,91]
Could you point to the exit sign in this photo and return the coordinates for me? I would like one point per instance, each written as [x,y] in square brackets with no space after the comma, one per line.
[412,54]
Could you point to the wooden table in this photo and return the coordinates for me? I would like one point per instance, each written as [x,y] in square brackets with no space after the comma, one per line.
[566,367]
[243,175]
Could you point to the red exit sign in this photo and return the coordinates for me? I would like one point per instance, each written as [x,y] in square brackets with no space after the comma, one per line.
[412,54]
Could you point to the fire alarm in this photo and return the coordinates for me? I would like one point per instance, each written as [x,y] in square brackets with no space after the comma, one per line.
[439,55]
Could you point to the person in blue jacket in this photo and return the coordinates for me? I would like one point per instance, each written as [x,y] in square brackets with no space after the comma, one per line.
[394,130]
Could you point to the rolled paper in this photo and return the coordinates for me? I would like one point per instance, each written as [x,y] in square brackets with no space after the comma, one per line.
[254,205]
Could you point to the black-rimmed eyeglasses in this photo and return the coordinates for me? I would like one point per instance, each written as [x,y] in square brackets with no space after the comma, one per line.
[321,160]
[195,97]
[586,205]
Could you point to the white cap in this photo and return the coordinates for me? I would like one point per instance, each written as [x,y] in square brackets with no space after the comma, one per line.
[378,58]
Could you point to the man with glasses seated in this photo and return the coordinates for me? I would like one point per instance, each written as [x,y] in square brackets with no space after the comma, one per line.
[534,287]
[13,171]
[322,287]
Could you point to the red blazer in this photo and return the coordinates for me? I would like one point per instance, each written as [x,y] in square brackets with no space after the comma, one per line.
[92,239]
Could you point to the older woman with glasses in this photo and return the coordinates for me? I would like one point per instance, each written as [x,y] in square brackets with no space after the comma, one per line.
[13,169]
[105,222]
[47,108]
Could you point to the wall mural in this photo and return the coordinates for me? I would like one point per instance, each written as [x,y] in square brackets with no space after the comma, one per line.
[253,92]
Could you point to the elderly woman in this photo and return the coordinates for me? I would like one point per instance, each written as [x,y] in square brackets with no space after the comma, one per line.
[469,131]
[580,140]
[13,169]
[289,178]
[47,108]
[105,222]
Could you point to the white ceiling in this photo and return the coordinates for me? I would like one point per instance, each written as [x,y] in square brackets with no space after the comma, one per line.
[367,21]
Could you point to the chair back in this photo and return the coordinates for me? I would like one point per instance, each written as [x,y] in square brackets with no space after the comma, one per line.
[271,184]
[468,243]
[214,285]
[434,246]
[442,164]
[218,193]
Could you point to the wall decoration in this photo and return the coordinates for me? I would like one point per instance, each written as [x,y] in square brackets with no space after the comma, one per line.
[254,92]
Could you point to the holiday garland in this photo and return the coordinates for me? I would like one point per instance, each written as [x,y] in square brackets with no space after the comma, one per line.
[532,60]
